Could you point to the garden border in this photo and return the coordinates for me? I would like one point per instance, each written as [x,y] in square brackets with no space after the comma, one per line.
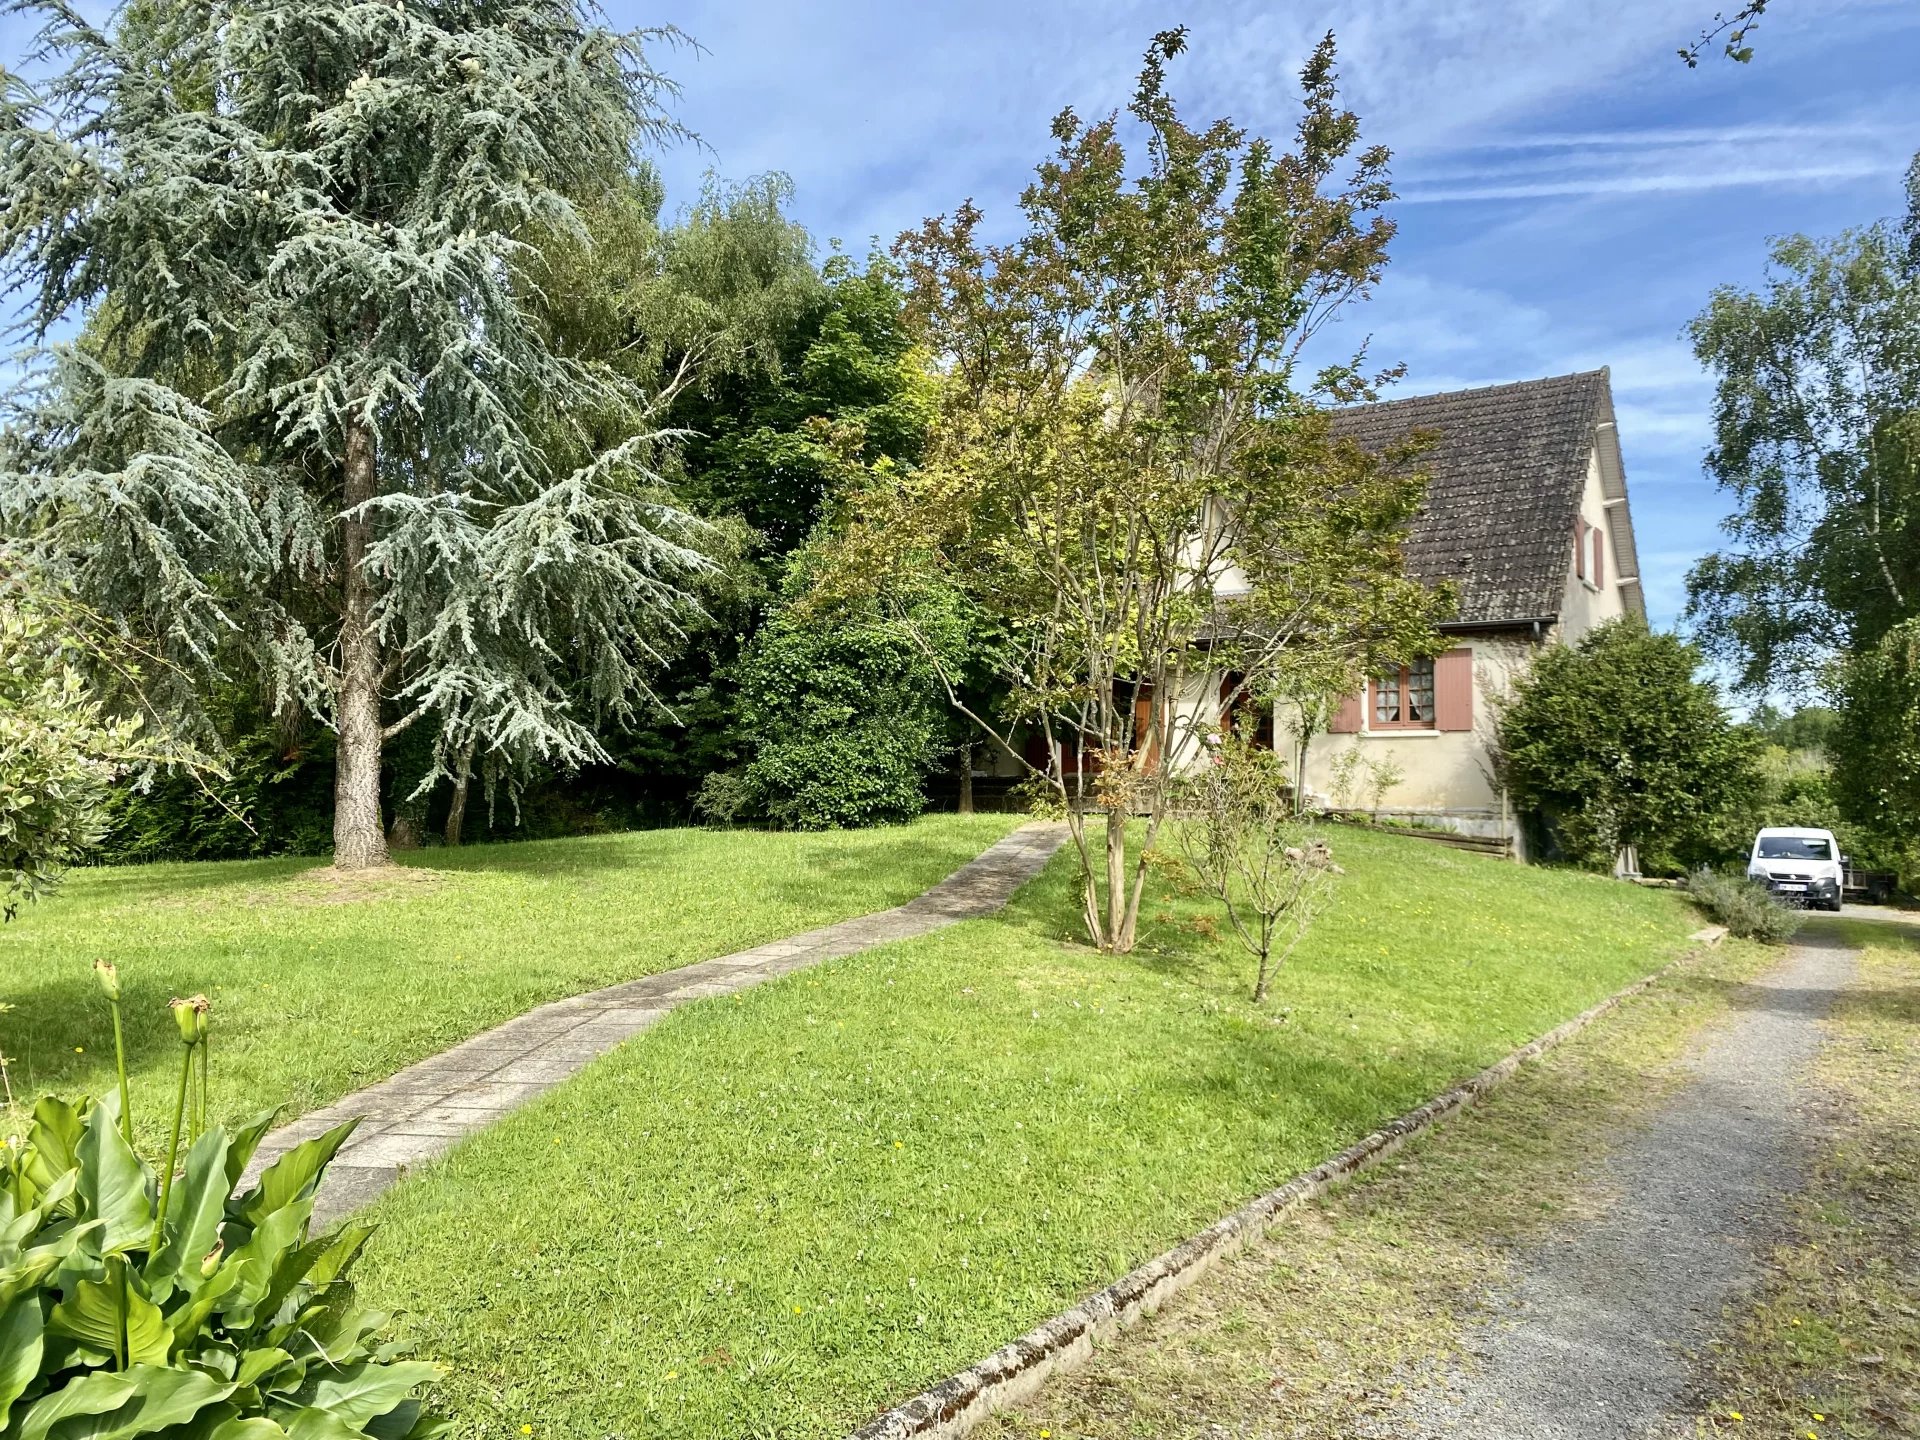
[1014,1372]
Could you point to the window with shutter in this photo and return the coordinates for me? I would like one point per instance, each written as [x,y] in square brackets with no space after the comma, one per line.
[1403,698]
[1599,556]
[1580,548]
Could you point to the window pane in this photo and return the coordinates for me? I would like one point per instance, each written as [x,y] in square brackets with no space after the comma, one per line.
[1386,700]
[1420,692]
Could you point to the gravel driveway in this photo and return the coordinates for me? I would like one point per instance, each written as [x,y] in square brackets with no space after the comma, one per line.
[1591,1342]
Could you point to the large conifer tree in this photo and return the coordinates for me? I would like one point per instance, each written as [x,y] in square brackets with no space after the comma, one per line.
[311,423]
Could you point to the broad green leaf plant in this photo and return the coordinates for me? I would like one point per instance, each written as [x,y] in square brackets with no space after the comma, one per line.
[175,1304]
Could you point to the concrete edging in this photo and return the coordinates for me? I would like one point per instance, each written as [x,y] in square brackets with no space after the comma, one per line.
[1016,1371]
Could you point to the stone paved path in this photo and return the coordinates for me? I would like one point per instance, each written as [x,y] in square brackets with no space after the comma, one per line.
[427,1108]
[1592,1342]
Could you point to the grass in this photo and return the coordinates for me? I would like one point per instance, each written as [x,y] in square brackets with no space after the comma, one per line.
[323,983]
[782,1211]
[1830,1344]
[1315,1331]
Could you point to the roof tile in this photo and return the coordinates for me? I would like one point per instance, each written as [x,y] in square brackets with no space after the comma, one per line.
[1508,472]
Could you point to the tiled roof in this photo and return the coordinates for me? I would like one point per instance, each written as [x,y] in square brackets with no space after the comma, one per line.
[1508,471]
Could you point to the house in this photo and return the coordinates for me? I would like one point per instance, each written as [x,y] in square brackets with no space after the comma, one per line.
[1527,515]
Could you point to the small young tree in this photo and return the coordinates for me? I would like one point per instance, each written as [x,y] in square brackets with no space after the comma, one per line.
[1614,743]
[1239,832]
[311,431]
[64,740]
[1128,473]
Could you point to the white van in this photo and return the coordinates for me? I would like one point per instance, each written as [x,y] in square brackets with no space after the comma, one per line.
[1800,866]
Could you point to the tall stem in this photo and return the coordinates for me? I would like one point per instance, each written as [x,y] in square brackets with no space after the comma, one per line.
[173,1150]
[120,1312]
[120,1063]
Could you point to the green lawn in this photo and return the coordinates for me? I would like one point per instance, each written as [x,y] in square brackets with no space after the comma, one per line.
[321,986]
[775,1214]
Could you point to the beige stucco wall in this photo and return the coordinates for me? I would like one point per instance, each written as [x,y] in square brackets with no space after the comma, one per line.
[1584,605]
[1445,773]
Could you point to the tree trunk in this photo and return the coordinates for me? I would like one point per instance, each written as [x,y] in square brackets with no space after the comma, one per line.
[359,843]
[1116,939]
[966,778]
[409,828]
[457,811]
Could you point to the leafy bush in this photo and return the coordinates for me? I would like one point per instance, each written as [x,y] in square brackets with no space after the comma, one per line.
[61,748]
[1744,906]
[1876,743]
[202,1312]
[725,796]
[275,801]
[134,1304]
[1612,742]
[844,719]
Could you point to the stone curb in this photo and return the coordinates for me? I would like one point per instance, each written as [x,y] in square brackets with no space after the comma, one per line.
[1015,1372]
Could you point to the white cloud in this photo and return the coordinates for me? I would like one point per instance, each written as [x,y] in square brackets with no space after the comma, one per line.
[1683,182]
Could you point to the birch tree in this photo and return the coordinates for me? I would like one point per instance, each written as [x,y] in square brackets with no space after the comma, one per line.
[1130,471]
[1817,442]
[309,429]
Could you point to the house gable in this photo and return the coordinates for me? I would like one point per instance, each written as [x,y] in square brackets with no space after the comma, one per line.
[1510,470]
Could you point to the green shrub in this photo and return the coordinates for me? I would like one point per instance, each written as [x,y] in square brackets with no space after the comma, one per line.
[1613,742]
[1745,906]
[844,720]
[235,1325]
[140,1304]
[276,800]
[61,746]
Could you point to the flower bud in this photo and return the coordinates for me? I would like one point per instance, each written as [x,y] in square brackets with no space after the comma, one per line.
[190,1016]
[210,1262]
[108,976]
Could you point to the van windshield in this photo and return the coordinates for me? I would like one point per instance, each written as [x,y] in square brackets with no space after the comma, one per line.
[1794,847]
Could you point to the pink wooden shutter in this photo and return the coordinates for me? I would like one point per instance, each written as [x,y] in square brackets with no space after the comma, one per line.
[1346,720]
[1453,690]
[1580,549]
[1599,556]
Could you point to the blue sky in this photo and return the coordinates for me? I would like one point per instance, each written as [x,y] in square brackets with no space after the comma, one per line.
[1571,192]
